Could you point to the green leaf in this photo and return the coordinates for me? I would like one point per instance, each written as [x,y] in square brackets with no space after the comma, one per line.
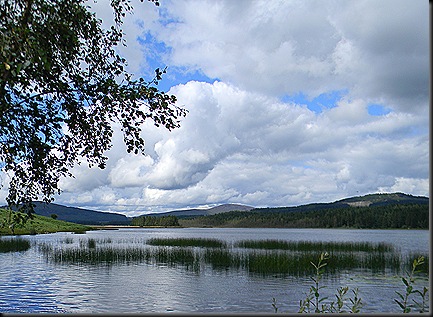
[400,295]
[399,304]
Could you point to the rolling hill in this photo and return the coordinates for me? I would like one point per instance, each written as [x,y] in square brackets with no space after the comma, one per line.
[370,200]
[203,212]
[80,215]
[377,211]
[92,217]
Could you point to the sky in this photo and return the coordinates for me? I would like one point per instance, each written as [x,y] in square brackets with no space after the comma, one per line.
[290,102]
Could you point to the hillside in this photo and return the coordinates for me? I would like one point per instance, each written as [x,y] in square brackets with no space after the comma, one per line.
[370,200]
[91,217]
[371,211]
[40,224]
[80,215]
[203,212]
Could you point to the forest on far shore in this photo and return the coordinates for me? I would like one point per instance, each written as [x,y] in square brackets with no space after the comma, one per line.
[398,216]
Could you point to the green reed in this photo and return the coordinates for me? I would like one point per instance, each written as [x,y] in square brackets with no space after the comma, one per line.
[184,252]
[298,264]
[14,245]
[104,255]
[93,242]
[68,240]
[311,246]
[224,259]
[187,242]
[107,254]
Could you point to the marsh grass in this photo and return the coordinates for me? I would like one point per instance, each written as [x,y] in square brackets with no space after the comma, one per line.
[14,245]
[90,253]
[104,255]
[92,242]
[187,242]
[67,240]
[298,264]
[313,246]
[192,253]
[224,259]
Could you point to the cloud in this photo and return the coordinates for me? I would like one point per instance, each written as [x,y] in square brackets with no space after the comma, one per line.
[377,50]
[242,147]
[241,68]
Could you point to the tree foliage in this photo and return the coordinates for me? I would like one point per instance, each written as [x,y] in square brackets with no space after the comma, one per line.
[374,217]
[154,221]
[62,88]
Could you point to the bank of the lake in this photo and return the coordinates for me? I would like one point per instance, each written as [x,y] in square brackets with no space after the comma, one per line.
[37,225]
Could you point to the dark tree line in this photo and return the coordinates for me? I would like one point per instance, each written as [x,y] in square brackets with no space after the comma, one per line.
[414,216]
[153,221]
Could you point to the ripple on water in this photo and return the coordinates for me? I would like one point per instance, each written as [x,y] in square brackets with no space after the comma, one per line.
[32,285]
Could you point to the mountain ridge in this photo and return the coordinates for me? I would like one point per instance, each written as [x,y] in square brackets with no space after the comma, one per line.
[80,215]
[93,217]
[202,212]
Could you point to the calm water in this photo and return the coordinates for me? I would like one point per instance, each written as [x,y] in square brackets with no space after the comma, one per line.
[31,284]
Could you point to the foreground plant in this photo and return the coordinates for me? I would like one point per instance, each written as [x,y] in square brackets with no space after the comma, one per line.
[63,90]
[314,302]
[14,220]
[409,282]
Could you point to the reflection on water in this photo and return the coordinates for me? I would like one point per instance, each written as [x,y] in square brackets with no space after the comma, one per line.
[30,284]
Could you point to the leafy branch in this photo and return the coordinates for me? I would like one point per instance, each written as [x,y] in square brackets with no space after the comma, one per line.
[409,282]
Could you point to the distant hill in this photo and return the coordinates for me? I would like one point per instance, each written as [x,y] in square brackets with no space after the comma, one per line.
[91,217]
[370,200]
[203,212]
[80,215]
[384,199]
[377,211]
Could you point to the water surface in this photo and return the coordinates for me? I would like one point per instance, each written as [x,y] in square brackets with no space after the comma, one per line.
[31,284]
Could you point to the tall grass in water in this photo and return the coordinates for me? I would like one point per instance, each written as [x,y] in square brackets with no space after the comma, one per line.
[187,242]
[310,246]
[183,252]
[14,245]
[104,255]
[88,253]
[298,264]
[224,259]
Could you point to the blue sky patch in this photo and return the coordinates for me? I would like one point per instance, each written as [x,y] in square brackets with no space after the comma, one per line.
[377,110]
[157,54]
[317,104]
[182,75]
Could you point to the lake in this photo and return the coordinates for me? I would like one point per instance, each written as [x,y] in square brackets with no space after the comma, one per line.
[31,283]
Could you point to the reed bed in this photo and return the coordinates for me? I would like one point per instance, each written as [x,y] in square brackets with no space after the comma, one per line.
[104,255]
[315,246]
[223,259]
[184,252]
[187,242]
[299,264]
[14,245]
[67,240]
[114,255]
[92,242]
